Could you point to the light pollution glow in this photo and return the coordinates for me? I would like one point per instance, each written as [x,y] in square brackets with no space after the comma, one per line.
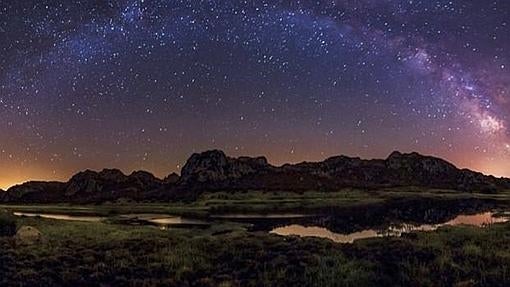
[13,177]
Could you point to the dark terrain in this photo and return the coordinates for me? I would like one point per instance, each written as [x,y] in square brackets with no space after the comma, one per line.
[101,254]
[341,195]
[214,171]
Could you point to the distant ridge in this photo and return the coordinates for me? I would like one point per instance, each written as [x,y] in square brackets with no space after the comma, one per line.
[214,171]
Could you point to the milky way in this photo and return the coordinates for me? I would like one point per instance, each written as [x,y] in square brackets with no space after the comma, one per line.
[143,84]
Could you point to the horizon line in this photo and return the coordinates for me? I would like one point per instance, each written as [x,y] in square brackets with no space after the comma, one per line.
[6,187]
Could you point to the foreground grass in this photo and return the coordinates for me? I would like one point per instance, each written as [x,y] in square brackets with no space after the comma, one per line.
[78,254]
[92,254]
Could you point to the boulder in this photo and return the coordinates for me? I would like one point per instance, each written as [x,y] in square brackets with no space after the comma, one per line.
[28,235]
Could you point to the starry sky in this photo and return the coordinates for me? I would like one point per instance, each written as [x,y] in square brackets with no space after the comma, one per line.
[141,84]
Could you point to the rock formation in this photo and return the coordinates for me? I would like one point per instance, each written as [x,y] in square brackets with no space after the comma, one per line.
[214,166]
[171,178]
[34,191]
[213,170]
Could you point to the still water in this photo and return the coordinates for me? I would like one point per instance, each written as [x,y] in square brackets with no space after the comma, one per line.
[164,220]
[480,220]
[62,216]
[158,219]
[241,216]
[397,229]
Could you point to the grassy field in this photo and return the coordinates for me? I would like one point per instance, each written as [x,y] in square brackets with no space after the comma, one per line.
[93,254]
[219,202]
[262,202]
[231,254]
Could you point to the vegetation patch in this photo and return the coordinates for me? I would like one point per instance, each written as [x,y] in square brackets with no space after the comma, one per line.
[7,224]
[78,253]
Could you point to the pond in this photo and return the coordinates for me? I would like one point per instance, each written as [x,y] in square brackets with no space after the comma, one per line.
[242,216]
[296,224]
[157,219]
[479,219]
[165,220]
[62,216]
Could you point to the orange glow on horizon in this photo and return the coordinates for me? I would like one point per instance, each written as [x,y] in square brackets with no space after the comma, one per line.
[12,177]
[7,182]
[9,178]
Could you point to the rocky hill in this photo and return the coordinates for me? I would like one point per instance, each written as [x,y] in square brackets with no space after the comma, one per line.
[214,171]
[86,186]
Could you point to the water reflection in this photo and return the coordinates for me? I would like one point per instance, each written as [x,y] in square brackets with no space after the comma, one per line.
[62,216]
[158,219]
[261,216]
[165,221]
[480,220]
[175,220]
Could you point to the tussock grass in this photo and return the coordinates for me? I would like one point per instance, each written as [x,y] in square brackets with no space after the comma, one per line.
[82,253]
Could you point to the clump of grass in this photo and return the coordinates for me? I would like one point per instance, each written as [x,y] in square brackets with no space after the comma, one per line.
[7,224]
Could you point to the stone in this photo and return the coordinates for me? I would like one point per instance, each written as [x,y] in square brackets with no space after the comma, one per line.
[28,235]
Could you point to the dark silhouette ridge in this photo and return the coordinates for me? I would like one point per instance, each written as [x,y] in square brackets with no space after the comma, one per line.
[214,171]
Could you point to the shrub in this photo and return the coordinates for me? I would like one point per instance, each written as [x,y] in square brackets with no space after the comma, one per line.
[7,224]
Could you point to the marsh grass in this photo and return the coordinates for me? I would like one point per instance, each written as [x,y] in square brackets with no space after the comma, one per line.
[91,254]
[210,203]
[7,223]
[228,254]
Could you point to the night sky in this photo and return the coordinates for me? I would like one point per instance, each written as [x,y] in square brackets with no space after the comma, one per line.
[143,84]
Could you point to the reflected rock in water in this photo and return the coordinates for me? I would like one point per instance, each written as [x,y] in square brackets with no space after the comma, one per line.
[479,220]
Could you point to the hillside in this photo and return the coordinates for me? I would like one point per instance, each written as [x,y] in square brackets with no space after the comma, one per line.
[215,171]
